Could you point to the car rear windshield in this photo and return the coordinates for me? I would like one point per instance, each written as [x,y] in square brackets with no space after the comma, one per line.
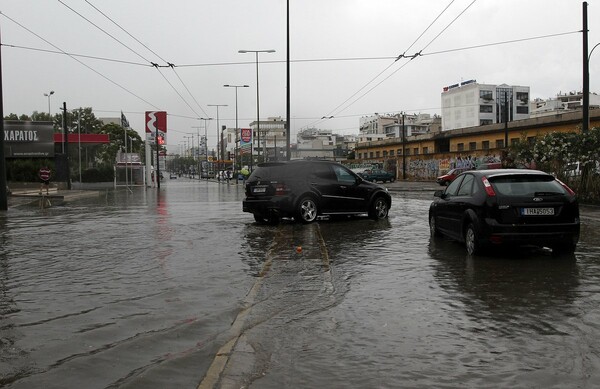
[527,185]
[268,171]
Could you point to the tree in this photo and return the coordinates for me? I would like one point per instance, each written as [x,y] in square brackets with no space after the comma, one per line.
[108,152]
[87,124]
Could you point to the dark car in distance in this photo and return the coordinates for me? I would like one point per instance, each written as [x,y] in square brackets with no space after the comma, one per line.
[375,175]
[517,207]
[305,189]
[447,178]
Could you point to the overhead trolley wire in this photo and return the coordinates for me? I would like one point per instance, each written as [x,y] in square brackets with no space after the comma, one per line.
[413,56]
[74,58]
[335,110]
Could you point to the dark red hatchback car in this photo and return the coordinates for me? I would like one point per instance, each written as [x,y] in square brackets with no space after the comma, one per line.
[486,208]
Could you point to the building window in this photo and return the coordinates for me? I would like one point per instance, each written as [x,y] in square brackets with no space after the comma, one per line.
[385,154]
[460,147]
[514,141]
[472,146]
[485,108]
[523,110]
[407,151]
[531,140]
[499,143]
[416,151]
[485,145]
[371,154]
[391,153]
[523,97]
[377,154]
[359,155]
[399,152]
[425,150]
[485,94]
[485,122]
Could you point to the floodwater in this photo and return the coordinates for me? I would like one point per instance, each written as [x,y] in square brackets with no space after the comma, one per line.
[139,290]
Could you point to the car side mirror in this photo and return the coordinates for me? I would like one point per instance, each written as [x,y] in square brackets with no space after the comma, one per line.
[438,193]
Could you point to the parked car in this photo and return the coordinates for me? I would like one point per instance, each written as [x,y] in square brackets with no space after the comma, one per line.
[490,165]
[304,189]
[172,175]
[485,208]
[375,175]
[451,175]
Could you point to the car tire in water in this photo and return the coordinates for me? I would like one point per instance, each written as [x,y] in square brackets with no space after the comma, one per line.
[379,208]
[307,210]
[564,248]
[472,242]
[272,219]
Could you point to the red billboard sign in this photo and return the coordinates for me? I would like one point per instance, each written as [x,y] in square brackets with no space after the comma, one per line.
[246,135]
[156,120]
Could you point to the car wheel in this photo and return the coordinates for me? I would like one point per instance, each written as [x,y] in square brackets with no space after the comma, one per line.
[472,240]
[563,248]
[307,210]
[379,209]
[260,219]
[392,179]
[272,219]
[433,230]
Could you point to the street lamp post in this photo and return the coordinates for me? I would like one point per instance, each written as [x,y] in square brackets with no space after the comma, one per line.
[257,94]
[217,105]
[205,145]
[237,128]
[48,96]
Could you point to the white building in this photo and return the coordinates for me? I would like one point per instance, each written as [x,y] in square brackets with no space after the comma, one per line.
[561,103]
[416,124]
[469,104]
[372,128]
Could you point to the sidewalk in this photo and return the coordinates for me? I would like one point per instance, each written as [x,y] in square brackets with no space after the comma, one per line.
[25,197]
[413,186]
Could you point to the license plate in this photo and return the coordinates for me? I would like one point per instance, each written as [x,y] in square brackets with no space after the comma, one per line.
[537,211]
[259,190]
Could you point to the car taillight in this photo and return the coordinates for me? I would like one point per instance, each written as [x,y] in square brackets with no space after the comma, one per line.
[571,192]
[281,189]
[488,187]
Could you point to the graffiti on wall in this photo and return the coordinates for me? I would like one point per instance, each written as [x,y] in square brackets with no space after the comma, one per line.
[427,169]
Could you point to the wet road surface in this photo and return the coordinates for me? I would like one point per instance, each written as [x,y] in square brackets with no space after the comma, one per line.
[145,290]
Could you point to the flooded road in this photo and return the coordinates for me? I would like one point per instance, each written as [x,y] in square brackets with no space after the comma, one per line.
[140,290]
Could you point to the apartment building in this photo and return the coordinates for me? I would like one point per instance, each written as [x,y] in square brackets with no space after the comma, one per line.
[470,104]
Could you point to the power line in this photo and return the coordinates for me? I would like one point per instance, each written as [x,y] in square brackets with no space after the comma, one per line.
[125,31]
[74,58]
[104,31]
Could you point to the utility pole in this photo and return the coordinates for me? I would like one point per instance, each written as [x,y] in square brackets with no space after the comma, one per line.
[586,74]
[3,191]
[403,147]
[66,145]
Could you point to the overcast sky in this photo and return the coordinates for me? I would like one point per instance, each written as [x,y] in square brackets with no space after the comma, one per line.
[343,55]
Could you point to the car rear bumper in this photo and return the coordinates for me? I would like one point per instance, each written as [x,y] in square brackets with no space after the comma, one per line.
[534,234]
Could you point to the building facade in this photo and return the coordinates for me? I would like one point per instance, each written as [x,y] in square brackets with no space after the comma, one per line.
[469,104]
[427,156]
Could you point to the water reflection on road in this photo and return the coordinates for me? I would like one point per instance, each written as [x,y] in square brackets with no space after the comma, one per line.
[140,290]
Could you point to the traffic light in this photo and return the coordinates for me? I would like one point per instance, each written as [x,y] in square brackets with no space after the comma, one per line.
[161,140]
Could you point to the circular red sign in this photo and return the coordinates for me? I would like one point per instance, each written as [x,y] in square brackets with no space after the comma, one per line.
[246,135]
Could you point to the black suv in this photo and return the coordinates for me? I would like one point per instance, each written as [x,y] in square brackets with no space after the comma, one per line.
[305,189]
[507,206]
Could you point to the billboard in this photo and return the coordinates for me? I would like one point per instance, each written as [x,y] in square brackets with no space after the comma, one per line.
[245,140]
[156,120]
[28,139]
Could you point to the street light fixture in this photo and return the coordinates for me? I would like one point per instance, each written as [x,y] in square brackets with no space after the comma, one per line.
[48,96]
[257,93]
[217,105]
[237,128]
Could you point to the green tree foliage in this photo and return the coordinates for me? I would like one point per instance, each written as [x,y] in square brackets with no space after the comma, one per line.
[108,153]
[555,152]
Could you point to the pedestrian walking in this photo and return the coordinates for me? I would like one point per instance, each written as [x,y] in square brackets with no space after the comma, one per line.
[45,173]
